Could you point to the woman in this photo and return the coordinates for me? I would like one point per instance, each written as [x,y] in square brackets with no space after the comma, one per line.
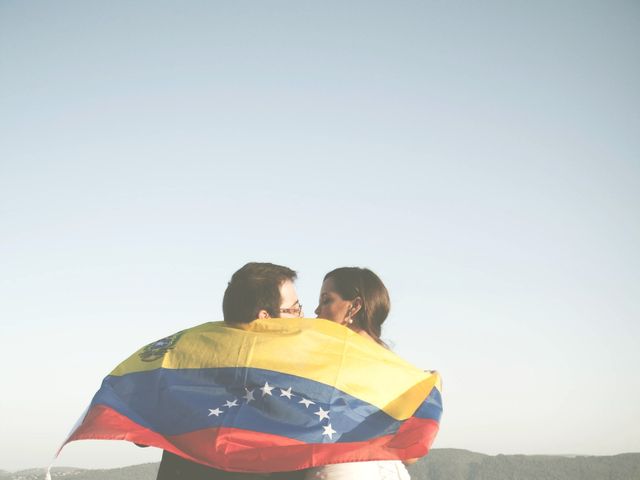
[356,298]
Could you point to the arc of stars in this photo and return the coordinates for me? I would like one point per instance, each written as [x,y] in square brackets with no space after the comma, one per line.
[267,389]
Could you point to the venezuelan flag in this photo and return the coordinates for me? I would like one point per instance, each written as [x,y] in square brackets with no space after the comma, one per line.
[272,395]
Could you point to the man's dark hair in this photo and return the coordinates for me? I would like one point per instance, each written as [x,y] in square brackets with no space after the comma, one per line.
[255,287]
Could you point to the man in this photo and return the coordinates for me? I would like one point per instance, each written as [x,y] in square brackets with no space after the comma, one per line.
[261,290]
[257,290]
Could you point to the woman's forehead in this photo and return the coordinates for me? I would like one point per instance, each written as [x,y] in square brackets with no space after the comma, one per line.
[328,286]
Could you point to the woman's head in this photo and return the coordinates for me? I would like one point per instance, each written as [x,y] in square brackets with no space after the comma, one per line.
[355,297]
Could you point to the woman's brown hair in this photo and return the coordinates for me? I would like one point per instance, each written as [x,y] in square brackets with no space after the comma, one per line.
[353,282]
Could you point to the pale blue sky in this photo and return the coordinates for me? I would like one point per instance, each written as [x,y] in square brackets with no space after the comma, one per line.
[482,157]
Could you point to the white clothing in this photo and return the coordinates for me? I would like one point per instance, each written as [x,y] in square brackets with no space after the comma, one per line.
[377,470]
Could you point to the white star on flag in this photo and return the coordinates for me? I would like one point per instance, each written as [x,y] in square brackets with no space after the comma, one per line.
[322,414]
[215,412]
[329,431]
[307,402]
[231,404]
[266,389]
[249,396]
[286,393]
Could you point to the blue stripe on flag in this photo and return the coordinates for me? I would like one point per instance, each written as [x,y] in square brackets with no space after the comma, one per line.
[176,401]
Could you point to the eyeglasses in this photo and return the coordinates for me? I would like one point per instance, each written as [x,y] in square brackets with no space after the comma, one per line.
[297,310]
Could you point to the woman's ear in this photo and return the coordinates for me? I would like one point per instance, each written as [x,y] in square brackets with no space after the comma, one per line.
[356,305]
[263,314]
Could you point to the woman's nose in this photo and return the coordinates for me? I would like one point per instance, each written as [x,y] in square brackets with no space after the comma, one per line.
[317,310]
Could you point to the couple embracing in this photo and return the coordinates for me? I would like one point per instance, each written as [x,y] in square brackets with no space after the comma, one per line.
[270,394]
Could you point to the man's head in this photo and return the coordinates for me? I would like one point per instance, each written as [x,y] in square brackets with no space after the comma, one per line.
[260,290]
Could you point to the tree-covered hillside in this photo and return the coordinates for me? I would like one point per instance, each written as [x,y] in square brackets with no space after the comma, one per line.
[442,464]
[449,464]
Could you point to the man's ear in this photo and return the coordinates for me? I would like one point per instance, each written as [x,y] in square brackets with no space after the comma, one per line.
[263,314]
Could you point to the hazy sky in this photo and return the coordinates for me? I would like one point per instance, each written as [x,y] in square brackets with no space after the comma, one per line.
[482,157]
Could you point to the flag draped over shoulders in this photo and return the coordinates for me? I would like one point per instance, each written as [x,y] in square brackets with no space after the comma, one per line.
[271,395]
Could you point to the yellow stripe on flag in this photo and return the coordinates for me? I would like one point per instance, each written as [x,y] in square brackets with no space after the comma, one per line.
[319,350]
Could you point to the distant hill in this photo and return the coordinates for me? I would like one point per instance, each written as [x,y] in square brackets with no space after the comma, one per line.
[440,464]
[147,471]
[450,464]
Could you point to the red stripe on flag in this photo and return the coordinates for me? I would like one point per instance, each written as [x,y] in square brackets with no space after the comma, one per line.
[239,450]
